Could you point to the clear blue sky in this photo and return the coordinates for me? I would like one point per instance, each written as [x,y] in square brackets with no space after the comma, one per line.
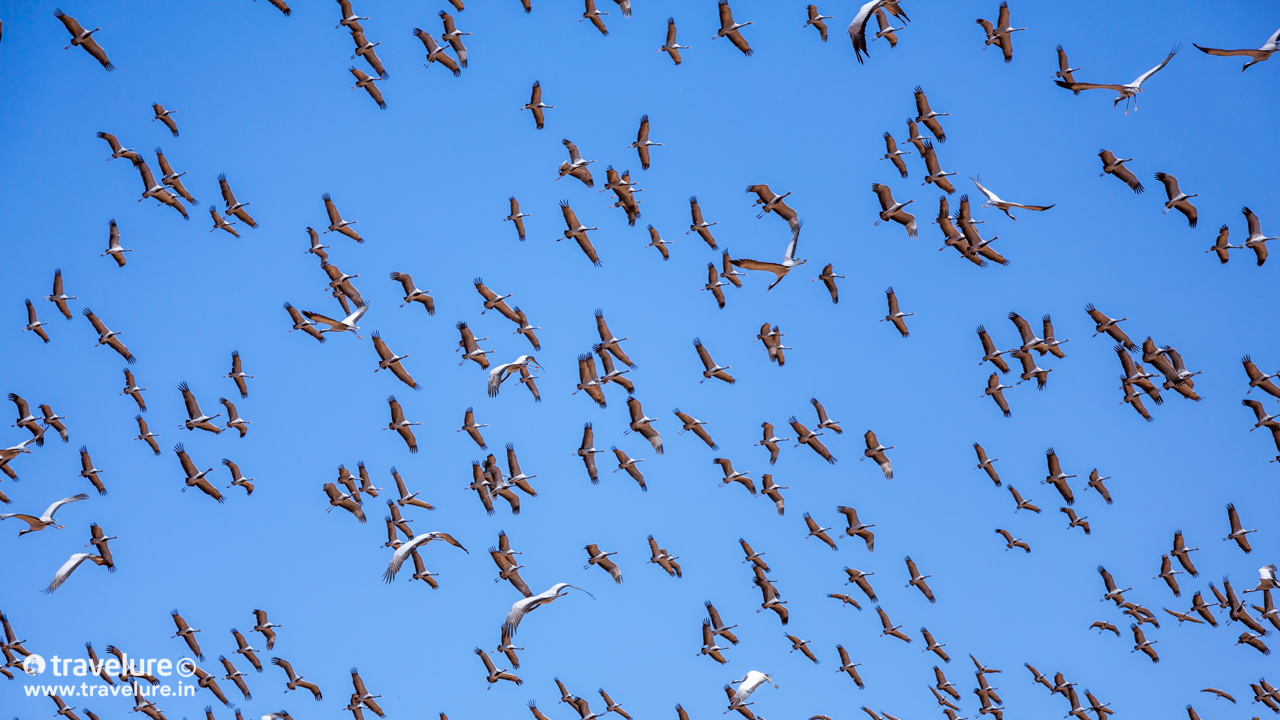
[265,99]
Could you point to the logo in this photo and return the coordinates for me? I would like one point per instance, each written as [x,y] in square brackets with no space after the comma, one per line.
[33,665]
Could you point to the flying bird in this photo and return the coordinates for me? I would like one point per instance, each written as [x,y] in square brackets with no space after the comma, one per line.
[896,316]
[84,38]
[235,207]
[1178,200]
[366,81]
[1000,33]
[730,29]
[699,225]
[1255,56]
[1003,205]
[1113,166]
[107,337]
[893,210]
[1125,91]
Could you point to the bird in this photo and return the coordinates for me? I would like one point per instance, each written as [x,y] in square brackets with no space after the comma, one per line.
[817,531]
[770,442]
[656,241]
[714,283]
[156,191]
[1238,533]
[849,667]
[732,476]
[804,436]
[1000,34]
[730,29]
[875,451]
[235,207]
[893,210]
[46,519]
[89,472]
[1075,521]
[576,167]
[145,434]
[403,552]
[34,324]
[828,278]
[453,36]
[68,567]
[527,605]
[587,452]
[699,225]
[113,249]
[1057,478]
[1256,56]
[109,338]
[1020,504]
[1113,166]
[857,528]
[627,463]
[400,425]
[58,297]
[1110,326]
[1011,542]
[84,38]
[578,232]
[642,143]
[1221,694]
[265,627]
[1221,247]
[1264,420]
[194,477]
[350,20]
[887,30]
[234,420]
[196,419]
[1126,91]
[695,426]
[711,369]
[772,491]
[996,392]
[295,681]
[927,117]
[936,174]
[118,150]
[1031,371]
[301,323]
[588,380]
[896,316]
[918,580]
[892,153]
[238,478]
[611,343]
[347,324]
[780,270]
[388,360]
[889,629]
[987,465]
[435,53]
[772,202]
[815,19]
[501,372]
[709,647]
[858,28]
[1178,200]
[1003,205]
[536,106]
[220,223]
[238,375]
[594,15]
[164,116]
[1257,241]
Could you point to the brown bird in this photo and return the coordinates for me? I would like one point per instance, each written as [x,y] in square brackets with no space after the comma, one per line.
[772,491]
[173,180]
[34,324]
[187,634]
[365,49]
[536,105]
[98,539]
[918,580]
[516,216]
[933,646]
[1020,503]
[113,249]
[845,600]
[1000,34]
[711,369]
[936,175]
[407,498]
[828,278]
[927,117]
[1011,542]
[1253,641]
[714,283]
[699,225]
[336,223]
[303,324]
[84,38]
[265,627]
[587,452]
[628,464]
[896,316]
[594,15]
[89,472]
[695,426]
[642,143]
[1110,164]
[435,53]
[1178,200]
[802,646]
[1075,521]
[709,647]
[295,680]
[470,344]
[238,478]
[588,380]
[1056,477]
[752,556]
[234,421]
[195,478]
[235,676]
[987,465]
[996,392]
[242,648]
[472,429]
[1104,627]
[859,578]
[164,116]
[640,423]
[804,436]
[1167,574]
[875,451]
[388,360]
[857,528]
[771,442]
[400,425]
[671,47]
[107,337]
[578,232]
[889,628]
[235,207]
[453,36]
[1110,326]
[118,150]
[893,154]
[576,167]
[1238,533]
[1256,240]
[771,202]
[849,667]
[656,241]
[729,29]
[366,81]
[596,557]
[815,19]
[732,476]
[817,531]
[1221,694]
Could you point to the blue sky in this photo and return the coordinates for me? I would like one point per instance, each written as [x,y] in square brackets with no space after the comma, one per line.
[265,99]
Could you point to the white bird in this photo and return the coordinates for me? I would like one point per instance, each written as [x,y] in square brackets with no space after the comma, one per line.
[747,685]
[36,524]
[347,324]
[1128,91]
[70,565]
[994,201]
[524,606]
[1271,45]
[501,372]
[858,28]
[403,552]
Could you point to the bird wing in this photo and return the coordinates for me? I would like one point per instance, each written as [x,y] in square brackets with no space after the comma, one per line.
[1144,76]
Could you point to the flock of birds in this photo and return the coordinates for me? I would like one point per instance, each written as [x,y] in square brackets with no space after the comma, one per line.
[608,363]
